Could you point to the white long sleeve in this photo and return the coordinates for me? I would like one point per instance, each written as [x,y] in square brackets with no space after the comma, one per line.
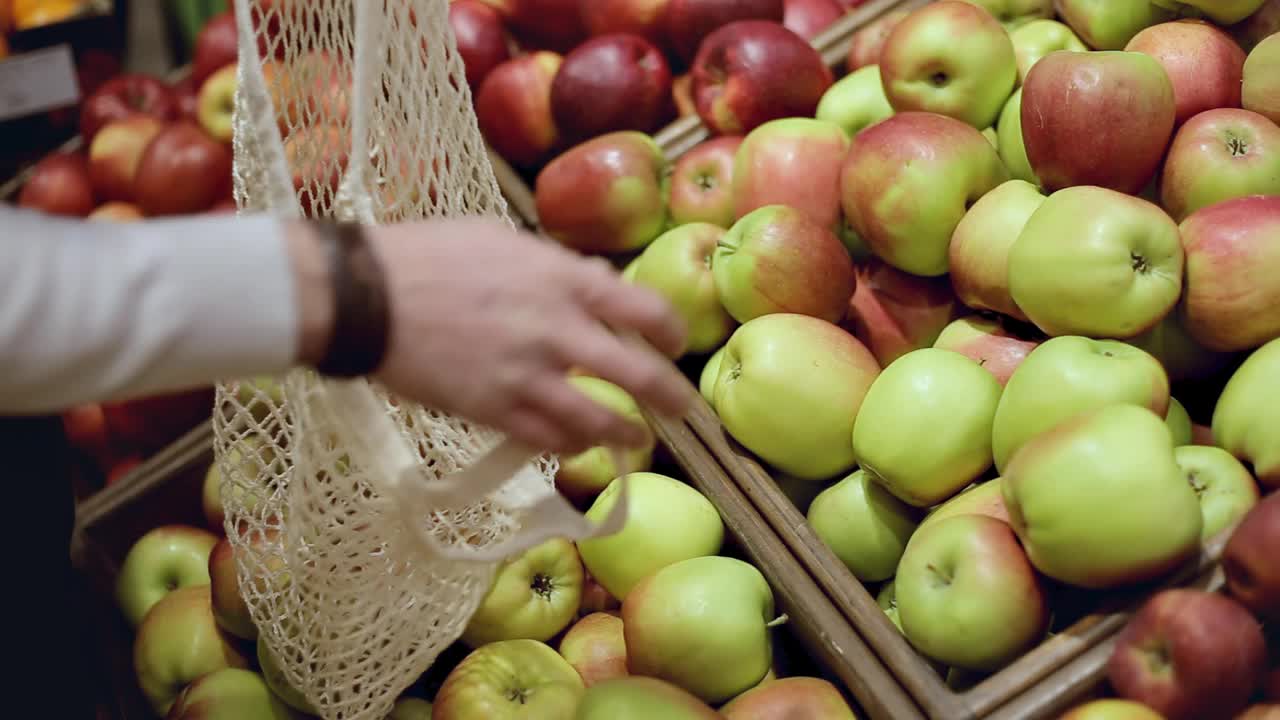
[96,311]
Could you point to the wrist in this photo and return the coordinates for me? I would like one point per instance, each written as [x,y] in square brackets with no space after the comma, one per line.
[313,292]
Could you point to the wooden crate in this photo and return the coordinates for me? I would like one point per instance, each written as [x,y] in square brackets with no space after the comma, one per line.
[814,641]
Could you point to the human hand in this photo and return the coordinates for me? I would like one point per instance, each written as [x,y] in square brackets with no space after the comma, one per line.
[487,322]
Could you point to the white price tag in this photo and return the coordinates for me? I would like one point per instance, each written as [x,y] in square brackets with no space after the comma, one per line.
[37,81]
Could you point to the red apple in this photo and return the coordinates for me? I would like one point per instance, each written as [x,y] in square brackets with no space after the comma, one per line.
[610,83]
[778,259]
[702,183]
[596,647]
[606,195]
[1189,654]
[682,94]
[182,171]
[792,698]
[1097,118]
[186,98]
[1219,155]
[893,312]
[544,24]
[229,607]
[317,156]
[646,18]
[808,18]
[869,40]
[513,108]
[148,424]
[116,152]
[216,46]
[122,96]
[85,427]
[59,185]
[595,599]
[989,342]
[1253,577]
[481,38]
[116,212]
[1231,281]
[752,71]
[122,467]
[795,162]
[690,21]
[1203,63]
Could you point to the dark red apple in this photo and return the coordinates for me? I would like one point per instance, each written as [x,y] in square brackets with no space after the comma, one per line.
[609,83]
[145,425]
[1249,560]
[690,21]
[646,18]
[869,40]
[481,38]
[513,108]
[543,24]
[702,183]
[59,185]
[186,98]
[122,96]
[216,47]
[1189,655]
[808,18]
[752,71]
[182,171]
[85,427]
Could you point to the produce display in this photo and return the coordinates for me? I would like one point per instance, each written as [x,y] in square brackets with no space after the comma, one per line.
[661,620]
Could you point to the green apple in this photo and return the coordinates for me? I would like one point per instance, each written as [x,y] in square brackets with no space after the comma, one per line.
[1097,262]
[702,624]
[793,161]
[1246,421]
[1179,423]
[1068,375]
[1222,12]
[510,680]
[1112,709]
[707,378]
[629,270]
[978,255]
[855,101]
[791,697]
[984,498]
[678,266]
[1016,13]
[1110,24]
[165,559]
[667,521]
[800,491]
[1013,151]
[950,58]
[179,642]
[278,681]
[1260,88]
[252,461]
[887,599]
[596,647]
[779,259]
[967,595]
[260,395]
[229,694]
[641,698]
[1099,501]
[1226,490]
[583,476]
[410,708]
[1040,37]
[1182,357]
[789,390]
[1218,155]
[864,525]
[908,181]
[533,596]
[990,135]
[924,429]
[989,342]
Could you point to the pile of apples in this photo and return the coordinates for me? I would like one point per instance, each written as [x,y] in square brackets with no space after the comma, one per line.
[1190,653]
[651,622]
[150,148]
[548,74]
[1001,314]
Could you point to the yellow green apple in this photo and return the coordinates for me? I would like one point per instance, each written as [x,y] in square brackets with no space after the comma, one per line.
[1226,490]
[1014,14]
[1072,492]
[1260,88]
[1179,423]
[510,680]
[1222,12]
[1110,24]
[887,599]
[856,101]
[790,697]
[678,266]
[1013,151]
[1037,38]
[707,377]
[165,559]
[1246,420]
[1112,709]
[410,708]
[534,595]
[278,681]
[641,698]
[229,694]
[978,255]
[583,476]
[864,525]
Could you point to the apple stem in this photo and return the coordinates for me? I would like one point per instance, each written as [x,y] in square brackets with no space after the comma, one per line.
[780,620]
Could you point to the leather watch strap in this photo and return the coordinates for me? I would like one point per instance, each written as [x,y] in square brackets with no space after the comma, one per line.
[361,320]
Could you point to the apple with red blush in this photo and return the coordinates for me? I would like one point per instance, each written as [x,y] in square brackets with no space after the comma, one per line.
[513,107]
[216,46]
[702,183]
[689,22]
[646,18]
[116,152]
[1202,61]
[554,25]
[1248,561]
[609,83]
[868,41]
[792,161]
[988,341]
[122,97]
[808,18]
[59,185]
[893,312]
[182,171]
[481,38]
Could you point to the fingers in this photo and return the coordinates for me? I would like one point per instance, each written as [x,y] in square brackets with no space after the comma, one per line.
[631,307]
[534,428]
[584,422]
[651,379]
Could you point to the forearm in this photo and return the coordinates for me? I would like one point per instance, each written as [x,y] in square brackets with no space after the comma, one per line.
[100,311]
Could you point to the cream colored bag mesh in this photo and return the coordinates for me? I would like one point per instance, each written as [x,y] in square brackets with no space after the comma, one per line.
[366,529]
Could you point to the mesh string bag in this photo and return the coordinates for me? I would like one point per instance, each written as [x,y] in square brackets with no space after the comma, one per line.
[366,528]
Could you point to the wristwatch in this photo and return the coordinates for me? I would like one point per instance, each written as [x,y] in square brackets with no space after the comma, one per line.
[361,318]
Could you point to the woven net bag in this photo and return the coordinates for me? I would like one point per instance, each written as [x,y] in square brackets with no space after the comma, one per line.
[366,528]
